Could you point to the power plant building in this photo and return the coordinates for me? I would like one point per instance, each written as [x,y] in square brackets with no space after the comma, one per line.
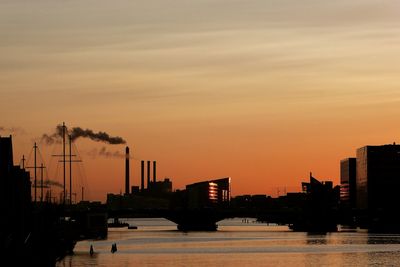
[160,188]
[378,177]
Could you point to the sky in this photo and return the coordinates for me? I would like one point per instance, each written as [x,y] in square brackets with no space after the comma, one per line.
[262,91]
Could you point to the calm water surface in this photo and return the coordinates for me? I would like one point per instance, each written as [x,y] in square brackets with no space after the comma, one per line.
[156,242]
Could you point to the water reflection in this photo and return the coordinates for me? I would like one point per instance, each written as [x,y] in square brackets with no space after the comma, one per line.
[316,239]
[383,239]
[157,243]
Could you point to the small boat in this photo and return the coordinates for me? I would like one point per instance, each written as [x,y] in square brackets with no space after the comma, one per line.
[114,248]
[132,227]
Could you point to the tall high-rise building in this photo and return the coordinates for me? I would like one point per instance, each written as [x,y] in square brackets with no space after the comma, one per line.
[348,182]
[378,178]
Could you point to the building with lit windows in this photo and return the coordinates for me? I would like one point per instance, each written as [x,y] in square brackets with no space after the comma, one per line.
[208,193]
[348,182]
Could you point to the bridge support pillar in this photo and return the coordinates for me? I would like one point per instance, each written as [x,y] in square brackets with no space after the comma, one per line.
[195,220]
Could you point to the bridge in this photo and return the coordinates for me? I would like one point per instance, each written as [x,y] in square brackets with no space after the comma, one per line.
[201,205]
[206,219]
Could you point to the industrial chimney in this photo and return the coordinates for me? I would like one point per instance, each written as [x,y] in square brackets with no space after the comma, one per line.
[142,176]
[148,174]
[154,173]
[127,170]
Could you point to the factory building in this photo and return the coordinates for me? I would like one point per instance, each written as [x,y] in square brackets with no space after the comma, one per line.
[154,196]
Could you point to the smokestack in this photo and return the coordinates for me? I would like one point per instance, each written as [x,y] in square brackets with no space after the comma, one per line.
[127,170]
[142,175]
[148,174]
[154,172]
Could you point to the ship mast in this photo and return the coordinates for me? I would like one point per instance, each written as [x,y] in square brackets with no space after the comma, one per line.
[64,161]
[35,148]
[63,155]
[70,168]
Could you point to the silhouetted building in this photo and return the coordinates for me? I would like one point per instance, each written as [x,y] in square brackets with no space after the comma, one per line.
[378,177]
[243,201]
[202,194]
[320,206]
[208,193]
[15,196]
[135,189]
[161,188]
[293,200]
[317,188]
[348,182]
[224,190]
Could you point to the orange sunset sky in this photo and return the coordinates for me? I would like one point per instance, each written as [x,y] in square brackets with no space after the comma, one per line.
[263,91]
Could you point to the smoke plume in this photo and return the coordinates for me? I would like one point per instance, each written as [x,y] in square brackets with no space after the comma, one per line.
[108,154]
[12,130]
[50,183]
[77,132]
[103,152]
[47,184]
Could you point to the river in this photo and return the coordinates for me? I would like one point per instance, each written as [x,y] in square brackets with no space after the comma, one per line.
[156,242]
